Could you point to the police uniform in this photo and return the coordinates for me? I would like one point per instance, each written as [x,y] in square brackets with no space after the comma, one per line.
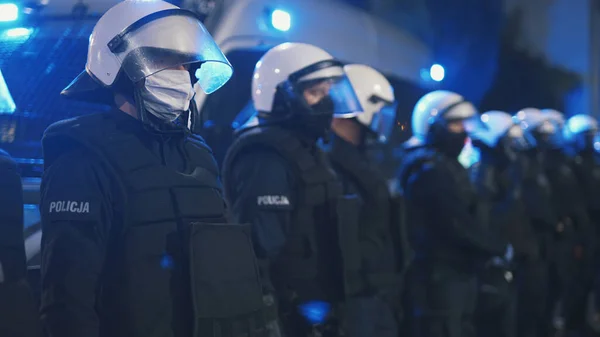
[372,309]
[278,180]
[18,315]
[135,235]
[586,167]
[499,193]
[533,275]
[448,241]
[571,274]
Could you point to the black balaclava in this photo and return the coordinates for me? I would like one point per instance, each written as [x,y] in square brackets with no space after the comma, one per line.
[449,143]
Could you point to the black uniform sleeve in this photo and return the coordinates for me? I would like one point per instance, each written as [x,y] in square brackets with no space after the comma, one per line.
[18,314]
[12,249]
[434,187]
[76,213]
[262,196]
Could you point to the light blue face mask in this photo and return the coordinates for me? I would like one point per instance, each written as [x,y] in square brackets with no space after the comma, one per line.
[167,94]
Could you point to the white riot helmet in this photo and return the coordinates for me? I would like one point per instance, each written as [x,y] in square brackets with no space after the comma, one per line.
[136,39]
[376,96]
[496,125]
[439,106]
[435,112]
[301,78]
[538,127]
[581,132]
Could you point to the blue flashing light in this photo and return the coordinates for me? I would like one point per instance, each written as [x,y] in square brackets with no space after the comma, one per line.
[9,12]
[281,20]
[315,312]
[166,262]
[16,33]
[7,104]
[437,72]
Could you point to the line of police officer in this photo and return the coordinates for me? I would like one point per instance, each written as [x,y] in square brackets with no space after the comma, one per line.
[139,241]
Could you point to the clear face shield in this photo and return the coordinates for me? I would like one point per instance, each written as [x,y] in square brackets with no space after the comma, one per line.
[383,122]
[458,118]
[169,39]
[450,127]
[324,89]
[465,125]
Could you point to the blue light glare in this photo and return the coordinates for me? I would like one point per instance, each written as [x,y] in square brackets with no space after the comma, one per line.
[315,312]
[437,72]
[281,20]
[166,262]
[15,33]
[469,155]
[7,104]
[9,12]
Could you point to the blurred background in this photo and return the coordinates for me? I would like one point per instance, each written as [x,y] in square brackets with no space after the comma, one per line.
[500,54]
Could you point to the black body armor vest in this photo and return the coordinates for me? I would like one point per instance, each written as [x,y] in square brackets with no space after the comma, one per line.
[174,267]
[379,228]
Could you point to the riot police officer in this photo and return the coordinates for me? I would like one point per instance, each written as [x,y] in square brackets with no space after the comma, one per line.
[276,177]
[18,314]
[581,142]
[445,230]
[370,311]
[537,197]
[135,234]
[571,265]
[497,177]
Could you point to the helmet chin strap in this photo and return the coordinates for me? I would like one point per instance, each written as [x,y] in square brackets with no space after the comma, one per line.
[139,105]
[143,114]
[194,117]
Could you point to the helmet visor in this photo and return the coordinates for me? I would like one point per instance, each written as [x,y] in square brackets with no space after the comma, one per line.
[328,91]
[470,125]
[383,122]
[167,41]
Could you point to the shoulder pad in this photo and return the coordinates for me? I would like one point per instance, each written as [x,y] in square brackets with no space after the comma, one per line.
[58,140]
[66,124]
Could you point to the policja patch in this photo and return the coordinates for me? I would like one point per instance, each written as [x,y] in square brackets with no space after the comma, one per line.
[69,206]
[71,210]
